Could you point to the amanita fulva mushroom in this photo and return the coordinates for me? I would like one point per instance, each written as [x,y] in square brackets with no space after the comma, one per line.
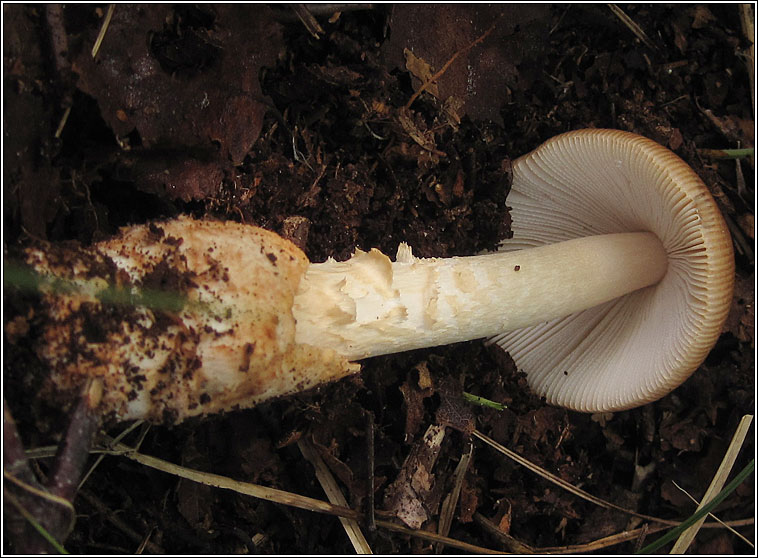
[611,293]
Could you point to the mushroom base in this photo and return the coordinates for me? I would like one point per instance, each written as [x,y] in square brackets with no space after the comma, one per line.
[202,322]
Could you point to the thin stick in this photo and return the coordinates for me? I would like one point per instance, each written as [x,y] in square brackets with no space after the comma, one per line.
[249,489]
[62,123]
[444,68]
[73,450]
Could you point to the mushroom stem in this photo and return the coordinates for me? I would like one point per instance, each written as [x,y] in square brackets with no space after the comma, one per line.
[369,306]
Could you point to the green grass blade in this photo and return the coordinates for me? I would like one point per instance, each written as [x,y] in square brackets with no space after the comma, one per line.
[477,400]
[705,510]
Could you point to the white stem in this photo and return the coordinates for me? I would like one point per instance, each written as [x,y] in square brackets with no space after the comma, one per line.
[369,306]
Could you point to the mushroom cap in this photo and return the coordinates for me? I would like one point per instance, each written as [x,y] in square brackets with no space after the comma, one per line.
[637,348]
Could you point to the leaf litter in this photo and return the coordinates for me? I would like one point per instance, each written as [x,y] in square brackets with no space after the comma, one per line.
[310,137]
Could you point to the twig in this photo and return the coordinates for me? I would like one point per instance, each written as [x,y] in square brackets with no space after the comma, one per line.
[444,68]
[516,546]
[62,123]
[73,452]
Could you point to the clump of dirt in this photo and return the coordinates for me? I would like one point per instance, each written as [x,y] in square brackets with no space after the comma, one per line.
[254,114]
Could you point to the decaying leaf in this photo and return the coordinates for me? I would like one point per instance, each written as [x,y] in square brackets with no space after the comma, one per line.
[412,497]
[479,77]
[421,70]
[454,411]
[150,49]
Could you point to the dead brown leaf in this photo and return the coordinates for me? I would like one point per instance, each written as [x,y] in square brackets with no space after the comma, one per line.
[160,72]
[420,70]
[411,497]
[453,410]
[479,77]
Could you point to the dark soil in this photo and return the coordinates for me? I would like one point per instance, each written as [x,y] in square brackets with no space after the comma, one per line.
[240,112]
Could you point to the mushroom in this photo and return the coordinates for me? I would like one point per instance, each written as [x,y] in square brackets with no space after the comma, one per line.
[611,292]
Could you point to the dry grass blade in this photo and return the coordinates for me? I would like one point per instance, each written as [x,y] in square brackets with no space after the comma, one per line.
[100,458]
[565,485]
[435,538]
[333,492]
[249,489]
[727,527]
[62,123]
[451,500]
[286,498]
[719,479]
[511,543]
[516,546]
[103,29]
